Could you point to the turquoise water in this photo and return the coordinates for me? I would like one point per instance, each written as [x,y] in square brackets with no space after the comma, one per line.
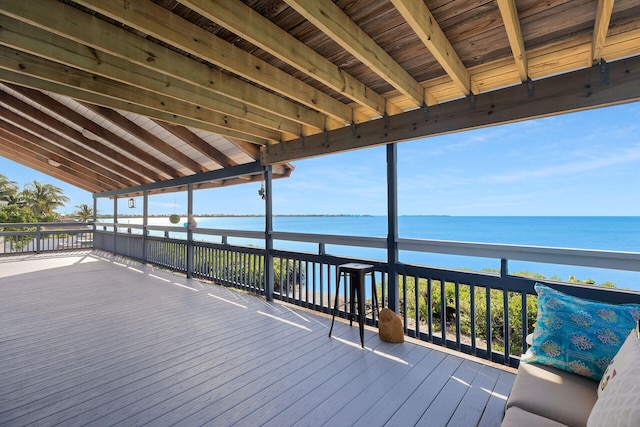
[604,233]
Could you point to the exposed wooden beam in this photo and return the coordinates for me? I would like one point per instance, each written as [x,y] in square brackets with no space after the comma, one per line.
[80,94]
[199,144]
[40,148]
[25,63]
[575,91]
[120,163]
[146,137]
[39,42]
[15,152]
[600,29]
[72,155]
[419,17]
[250,25]
[143,158]
[332,21]
[250,150]
[160,23]
[511,21]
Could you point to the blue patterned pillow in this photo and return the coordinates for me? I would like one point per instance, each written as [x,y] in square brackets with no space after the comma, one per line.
[578,335]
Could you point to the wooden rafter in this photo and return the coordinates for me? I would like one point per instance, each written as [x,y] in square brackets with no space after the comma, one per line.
[250,25]
[47,152]
[600,29]
[514,33]
[170,73]
[151,165]
[52,71]
[27,80]
[199,144]
[564,93]
[116,161]
[64,149]
[15,152]
[419,17]
[164,25]
[146,137]
[325,15]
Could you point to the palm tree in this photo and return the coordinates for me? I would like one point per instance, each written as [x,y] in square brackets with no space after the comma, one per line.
[8,190]
[83,212]
[43,200]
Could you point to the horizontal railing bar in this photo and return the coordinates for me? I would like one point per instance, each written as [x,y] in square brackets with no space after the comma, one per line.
[248,234]
[362,241]
[629,261]
[613,260]
[44,224]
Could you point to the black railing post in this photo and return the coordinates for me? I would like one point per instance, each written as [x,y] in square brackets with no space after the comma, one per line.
[268,238]
[95,218]
[115,222]
[190,226]
[145,223]
[392,229]
[38,236]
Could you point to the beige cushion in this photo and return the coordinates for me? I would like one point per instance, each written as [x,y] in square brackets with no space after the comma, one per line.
[516,417]
[619,390]
[553,393]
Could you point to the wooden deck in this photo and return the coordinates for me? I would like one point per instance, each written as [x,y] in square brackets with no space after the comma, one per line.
[87,339]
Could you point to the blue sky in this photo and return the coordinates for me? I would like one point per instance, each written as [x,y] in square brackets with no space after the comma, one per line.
[585,163]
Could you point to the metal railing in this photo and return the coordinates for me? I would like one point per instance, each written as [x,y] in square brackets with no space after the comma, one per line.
[18,238]
[484,313]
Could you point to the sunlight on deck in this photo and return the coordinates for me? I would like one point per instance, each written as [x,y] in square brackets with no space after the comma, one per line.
[93,339]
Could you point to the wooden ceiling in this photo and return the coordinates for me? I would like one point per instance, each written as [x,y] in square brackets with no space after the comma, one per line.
[117,94]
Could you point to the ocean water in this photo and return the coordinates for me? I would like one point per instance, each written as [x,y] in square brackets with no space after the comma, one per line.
[604,233]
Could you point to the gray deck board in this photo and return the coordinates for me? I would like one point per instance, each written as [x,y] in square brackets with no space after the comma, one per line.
[87,339]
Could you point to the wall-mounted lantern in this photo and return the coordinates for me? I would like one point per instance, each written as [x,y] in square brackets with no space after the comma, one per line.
[132,203]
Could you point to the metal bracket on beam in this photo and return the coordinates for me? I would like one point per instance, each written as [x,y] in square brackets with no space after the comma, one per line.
[425,112]
[604,71]
[530,87]
[353,129]
[386,120]
[472,100]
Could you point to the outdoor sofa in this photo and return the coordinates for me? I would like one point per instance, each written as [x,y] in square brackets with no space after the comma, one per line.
[583,366]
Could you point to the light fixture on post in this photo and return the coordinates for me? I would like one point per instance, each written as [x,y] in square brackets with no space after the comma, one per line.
[132,203]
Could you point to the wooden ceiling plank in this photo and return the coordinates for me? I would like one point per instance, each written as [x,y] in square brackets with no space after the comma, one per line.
[111,178]
[419,17]
[332,21]
[146,137]
[80,94]
[250,25]
[164,25]
[113,139]
[600,29]
[199,144]
[509,14]
[49,152]
[575,91]
[25,63]
[37,162]
[128,167]
[39,42]
[90,31]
